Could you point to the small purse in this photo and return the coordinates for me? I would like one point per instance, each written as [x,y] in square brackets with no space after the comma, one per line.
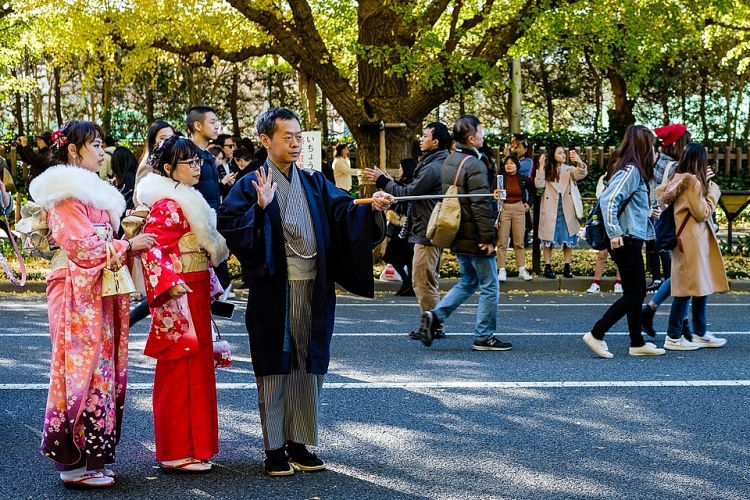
[116,281]
[222,352]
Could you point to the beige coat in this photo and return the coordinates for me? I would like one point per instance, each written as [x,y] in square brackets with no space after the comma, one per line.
[548,207]
[698,269]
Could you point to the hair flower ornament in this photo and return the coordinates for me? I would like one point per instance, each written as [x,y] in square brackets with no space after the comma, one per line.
[58,137]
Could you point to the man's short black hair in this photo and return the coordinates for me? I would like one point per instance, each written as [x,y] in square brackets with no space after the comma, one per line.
[222,138]
[440,133]
[110,141]
[197,114]
[267,121]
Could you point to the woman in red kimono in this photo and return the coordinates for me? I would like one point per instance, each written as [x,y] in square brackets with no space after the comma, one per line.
[89,333]
[180,283]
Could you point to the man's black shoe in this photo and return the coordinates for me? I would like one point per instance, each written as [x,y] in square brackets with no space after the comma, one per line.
[277,463]
[302,459]
[492,344]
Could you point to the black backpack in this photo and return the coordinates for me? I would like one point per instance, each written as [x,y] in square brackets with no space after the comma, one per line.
[596,233]
[667,235]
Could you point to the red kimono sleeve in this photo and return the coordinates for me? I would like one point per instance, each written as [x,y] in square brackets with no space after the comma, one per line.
[161,263]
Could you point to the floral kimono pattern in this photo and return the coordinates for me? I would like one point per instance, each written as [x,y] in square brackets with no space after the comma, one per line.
[89,334]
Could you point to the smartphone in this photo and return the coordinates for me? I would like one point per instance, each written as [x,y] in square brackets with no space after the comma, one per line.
[223,309]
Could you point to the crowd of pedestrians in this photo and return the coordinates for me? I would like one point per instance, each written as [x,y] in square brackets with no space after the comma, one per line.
[297,233]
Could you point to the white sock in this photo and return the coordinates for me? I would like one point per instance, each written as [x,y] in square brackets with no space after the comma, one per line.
[70,474]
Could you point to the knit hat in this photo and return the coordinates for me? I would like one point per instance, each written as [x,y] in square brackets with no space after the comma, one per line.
[671,133]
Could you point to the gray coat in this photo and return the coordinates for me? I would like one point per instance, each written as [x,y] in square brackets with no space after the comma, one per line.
[426,181]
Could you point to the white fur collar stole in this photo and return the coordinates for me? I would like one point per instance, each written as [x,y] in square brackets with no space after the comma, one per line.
[62,182]
[200,216]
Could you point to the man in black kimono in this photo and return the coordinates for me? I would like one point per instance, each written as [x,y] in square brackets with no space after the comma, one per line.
[297,235]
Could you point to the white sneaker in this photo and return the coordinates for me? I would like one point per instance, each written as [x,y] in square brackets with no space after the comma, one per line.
[598,346]
[681,344]
[618,287]
[708,340]
[648,349]
[594,288]
[502,276]
[524,274]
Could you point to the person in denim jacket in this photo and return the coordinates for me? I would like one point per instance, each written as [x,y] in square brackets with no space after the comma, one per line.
[634,168]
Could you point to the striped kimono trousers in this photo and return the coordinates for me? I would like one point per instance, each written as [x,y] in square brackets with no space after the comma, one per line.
[289,403]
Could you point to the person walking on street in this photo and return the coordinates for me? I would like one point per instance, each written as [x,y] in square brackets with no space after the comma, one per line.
[474,245]
[626,210]
[434,146]
[697,267]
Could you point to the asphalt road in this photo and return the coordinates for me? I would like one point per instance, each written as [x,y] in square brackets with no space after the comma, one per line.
[547,420]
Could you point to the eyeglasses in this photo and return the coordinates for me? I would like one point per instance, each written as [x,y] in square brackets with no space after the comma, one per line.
[195,163]
[230,146]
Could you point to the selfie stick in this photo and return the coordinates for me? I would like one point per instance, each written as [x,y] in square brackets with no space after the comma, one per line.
[498,194]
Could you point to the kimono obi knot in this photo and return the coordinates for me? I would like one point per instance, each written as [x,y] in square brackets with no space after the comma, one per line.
[301,269]
[192,257]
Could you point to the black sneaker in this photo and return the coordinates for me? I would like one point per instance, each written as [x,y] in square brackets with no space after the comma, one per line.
[425,331]
[277,463]
[654,286]
[492,344]
[302,459]
[415,335]
[549,273]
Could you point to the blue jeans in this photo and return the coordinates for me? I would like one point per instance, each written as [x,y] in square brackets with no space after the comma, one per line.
[678,315]
[476,273]
[663,293]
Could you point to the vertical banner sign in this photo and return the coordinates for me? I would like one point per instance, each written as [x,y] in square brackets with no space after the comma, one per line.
[309,156]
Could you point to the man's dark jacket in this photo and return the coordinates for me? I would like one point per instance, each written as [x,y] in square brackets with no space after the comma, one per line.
[426,181]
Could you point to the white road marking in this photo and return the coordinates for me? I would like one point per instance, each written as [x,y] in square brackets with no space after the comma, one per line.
[451,385]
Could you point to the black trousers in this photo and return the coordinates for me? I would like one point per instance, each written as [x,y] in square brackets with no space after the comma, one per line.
[629,260]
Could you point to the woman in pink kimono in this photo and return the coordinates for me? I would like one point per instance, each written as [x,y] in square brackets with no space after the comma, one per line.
[89,332]
[180,284]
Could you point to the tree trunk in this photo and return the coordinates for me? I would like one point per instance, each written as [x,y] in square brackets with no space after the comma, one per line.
[106,121]
[702,109]
[234,96]
[58,98]
[515,100]
[324,118]
[622,115]
[18,107]
[149,104]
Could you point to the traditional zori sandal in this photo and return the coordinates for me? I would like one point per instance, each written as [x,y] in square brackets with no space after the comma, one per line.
[89,480]
[186,466]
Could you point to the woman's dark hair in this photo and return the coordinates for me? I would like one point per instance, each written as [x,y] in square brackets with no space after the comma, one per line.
[215,150]
[694,161]
[247,143]
[637,149]
[169,152]
[675,149]
[528,153]
[512,158]
[408,165]
[153,131]
[123,161]
[340,147]
[551,172]
[73,132]
[465,127]
[242,154]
